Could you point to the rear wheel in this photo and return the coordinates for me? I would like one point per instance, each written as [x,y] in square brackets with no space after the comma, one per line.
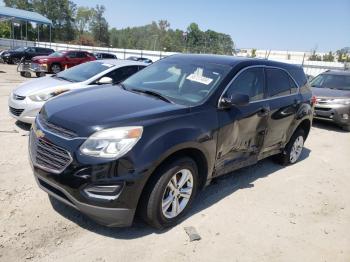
[15,60]
[40,74]
[56,68]
[293,149]
[170,193]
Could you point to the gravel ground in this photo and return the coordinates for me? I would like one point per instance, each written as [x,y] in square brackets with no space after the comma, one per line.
[261,213]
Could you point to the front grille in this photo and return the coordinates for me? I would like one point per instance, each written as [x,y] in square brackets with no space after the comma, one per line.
[322,109]
[15,111]
[18,97]
[48,156]
[56,129]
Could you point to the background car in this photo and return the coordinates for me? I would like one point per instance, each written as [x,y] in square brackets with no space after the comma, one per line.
[60,60]
[15,55]
[332,91]
[140,59]
[105,56]
[27,99]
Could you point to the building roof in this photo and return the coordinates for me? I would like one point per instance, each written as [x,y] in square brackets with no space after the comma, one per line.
[23,15]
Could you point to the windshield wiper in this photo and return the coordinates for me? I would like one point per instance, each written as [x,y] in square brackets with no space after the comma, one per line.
[153,93]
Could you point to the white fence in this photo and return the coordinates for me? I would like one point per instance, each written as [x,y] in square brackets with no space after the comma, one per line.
[299,58]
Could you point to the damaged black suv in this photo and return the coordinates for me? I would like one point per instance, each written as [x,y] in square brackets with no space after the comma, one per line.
[152,142]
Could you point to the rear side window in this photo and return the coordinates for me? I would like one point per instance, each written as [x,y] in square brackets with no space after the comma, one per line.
[81,54]
[122,73]
[279,83]
[250,82]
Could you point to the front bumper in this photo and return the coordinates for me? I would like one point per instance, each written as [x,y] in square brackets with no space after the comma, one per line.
[81,172]
[337,113]
[38,68]
[24,110]
[111,217]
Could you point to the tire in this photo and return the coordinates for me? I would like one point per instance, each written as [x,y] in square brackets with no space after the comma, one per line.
[291,154]
[346,128]
[15,60]
[40,74]
[158,193]
[23,74]
[55,68]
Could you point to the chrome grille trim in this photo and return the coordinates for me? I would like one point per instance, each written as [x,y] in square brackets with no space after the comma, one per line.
[57,130]
[48,156]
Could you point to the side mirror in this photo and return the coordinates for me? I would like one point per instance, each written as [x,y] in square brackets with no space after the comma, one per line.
[105,80]
[234,100]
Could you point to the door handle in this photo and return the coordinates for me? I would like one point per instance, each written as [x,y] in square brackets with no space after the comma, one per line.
[264,111]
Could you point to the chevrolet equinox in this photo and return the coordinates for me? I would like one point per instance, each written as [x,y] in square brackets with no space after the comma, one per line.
[152,142]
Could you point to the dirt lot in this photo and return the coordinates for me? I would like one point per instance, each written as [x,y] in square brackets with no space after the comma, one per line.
[261,213]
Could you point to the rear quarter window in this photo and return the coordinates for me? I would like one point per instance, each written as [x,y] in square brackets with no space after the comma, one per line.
[279,83]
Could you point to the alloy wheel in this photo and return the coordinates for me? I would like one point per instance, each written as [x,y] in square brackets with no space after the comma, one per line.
[177,193]
[296,150]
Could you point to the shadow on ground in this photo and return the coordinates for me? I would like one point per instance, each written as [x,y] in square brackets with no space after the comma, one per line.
[219,189]
[330,126]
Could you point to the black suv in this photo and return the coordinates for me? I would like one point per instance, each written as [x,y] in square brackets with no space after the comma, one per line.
[15,55]
[150,143]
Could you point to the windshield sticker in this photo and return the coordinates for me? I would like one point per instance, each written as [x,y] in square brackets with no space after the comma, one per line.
[197,76]
[175,71]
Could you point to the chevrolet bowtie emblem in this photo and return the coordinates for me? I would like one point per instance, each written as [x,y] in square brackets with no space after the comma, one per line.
[38,132]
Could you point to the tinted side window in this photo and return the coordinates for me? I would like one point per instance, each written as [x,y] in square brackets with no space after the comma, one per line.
[249,82]
[81,54]
[279,83]
[122,73]
[72,55]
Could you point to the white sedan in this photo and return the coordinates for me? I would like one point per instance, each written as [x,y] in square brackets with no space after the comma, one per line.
[27,99]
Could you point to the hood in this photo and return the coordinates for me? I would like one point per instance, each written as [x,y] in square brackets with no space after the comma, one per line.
[327,92]
[41,83]
[87,110]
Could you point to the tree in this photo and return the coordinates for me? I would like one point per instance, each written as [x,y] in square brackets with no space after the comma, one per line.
[253,52]
[314,56]
[328,57]
[343,55]
[83,18]
[99,26]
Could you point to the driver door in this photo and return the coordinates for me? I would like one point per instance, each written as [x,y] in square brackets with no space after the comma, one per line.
[242,128]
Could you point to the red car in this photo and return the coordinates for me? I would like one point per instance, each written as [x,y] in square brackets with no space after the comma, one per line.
[59,61]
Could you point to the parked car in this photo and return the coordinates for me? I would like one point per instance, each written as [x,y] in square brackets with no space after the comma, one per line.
[140,59]
[105,56]
[15,55]
[169,129]
[60,60]
[332,90]
[27,99]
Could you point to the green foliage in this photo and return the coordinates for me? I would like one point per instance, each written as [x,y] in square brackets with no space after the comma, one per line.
[159,36]
[86,25]
[343,54]
[315,57]
[99,26]
[328,57]
[253,53]
[5,30]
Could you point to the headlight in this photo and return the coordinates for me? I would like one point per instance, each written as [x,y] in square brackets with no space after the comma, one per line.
[341,101]
[112,143]
[40,97]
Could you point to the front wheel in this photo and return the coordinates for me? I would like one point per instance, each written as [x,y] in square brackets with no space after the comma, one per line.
[170,193]
[293,149]
[56,68]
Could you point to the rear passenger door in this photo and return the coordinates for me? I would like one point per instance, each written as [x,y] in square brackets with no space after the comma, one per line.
[284,101]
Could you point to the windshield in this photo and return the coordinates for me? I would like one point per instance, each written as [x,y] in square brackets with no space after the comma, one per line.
[84,71]
[57,54]
[182,82]
[341,82]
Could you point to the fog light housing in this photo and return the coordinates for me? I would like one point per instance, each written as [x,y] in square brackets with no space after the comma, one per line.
[345,116]
[104,192]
